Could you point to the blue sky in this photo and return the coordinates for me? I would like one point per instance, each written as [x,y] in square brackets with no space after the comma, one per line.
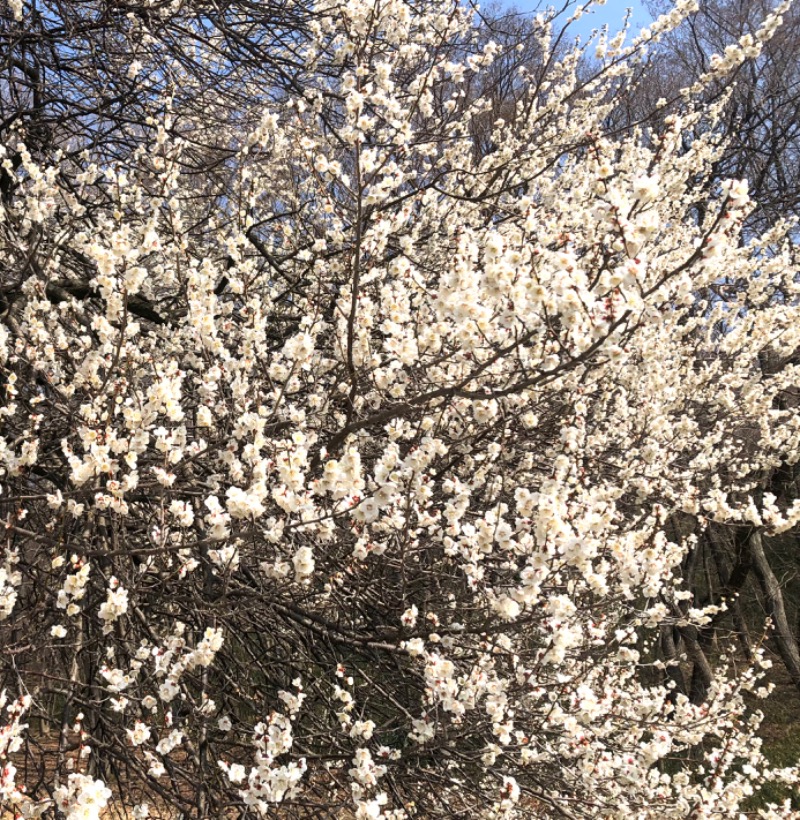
[612,13]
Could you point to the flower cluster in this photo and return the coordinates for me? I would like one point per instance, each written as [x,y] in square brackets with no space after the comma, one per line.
[82,798]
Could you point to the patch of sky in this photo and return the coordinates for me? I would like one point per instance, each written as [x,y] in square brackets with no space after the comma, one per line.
[611,14]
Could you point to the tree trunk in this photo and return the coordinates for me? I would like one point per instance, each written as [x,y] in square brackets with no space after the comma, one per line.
[732,583]
[773,597]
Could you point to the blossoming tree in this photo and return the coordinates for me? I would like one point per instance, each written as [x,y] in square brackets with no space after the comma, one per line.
[341,461]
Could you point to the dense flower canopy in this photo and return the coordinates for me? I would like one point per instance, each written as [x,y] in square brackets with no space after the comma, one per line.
[343,464]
